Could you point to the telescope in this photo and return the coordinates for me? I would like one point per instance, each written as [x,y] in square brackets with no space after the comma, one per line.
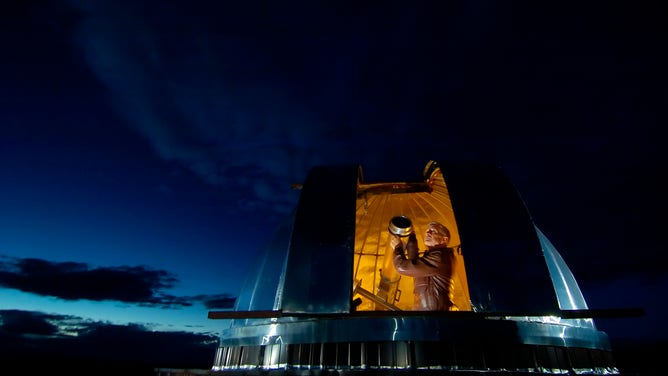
[401,226]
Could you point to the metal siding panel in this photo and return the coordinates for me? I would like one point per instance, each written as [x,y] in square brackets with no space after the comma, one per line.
[318,276]
[504,260]
[262,289]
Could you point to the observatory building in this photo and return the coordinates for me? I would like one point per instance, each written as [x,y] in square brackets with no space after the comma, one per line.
[329,298]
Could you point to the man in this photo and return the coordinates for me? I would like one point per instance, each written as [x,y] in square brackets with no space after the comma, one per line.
[433,271]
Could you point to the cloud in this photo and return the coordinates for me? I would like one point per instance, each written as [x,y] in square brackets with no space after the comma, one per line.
[51,341]
[221,301]
[74,281]
[251,101]
[16,322]
[204,99]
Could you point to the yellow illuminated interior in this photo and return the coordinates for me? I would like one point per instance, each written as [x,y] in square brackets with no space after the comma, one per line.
[376,282]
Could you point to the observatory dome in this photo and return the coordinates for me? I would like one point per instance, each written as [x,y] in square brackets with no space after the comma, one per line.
[327,295]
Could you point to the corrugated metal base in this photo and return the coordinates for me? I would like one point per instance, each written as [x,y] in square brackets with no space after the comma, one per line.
[411,357]
[386,372]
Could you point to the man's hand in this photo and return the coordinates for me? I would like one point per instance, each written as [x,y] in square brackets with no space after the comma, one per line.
[395,241]
[412,247]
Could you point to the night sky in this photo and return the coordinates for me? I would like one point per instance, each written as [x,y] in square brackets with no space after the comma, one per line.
[147,149]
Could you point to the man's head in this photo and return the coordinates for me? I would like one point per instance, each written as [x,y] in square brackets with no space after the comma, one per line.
[436,235]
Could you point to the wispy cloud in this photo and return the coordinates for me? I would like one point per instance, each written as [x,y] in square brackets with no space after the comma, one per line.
[139,285]
[221,101]
[251,100]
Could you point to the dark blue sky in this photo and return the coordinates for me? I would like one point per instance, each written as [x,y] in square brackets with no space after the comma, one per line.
[147,149]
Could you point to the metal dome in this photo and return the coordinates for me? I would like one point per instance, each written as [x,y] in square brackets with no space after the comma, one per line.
[325,296]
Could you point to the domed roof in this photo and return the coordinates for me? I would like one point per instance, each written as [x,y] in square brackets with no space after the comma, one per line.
[508,264]
[328,275]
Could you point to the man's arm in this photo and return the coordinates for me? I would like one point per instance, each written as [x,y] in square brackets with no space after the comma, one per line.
[429,264]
